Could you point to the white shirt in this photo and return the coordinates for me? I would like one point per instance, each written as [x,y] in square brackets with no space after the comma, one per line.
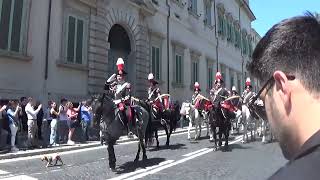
[31,113]
[63,114]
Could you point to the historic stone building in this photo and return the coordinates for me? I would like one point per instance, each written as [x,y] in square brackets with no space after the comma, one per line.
[67,48]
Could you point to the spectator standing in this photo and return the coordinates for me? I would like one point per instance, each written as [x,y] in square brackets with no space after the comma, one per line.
[73,121]
[40,116]
[86,117]
[23,115]
[54,124]
[32,121]
[47,121]
[13,113]
[63,121]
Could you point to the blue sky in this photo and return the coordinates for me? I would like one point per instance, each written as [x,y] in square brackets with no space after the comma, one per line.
[270,12]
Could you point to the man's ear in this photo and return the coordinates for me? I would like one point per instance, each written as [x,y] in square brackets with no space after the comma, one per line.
[283,87]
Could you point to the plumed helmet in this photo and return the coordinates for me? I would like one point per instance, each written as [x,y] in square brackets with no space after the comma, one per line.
[150,76]
[248,82]
[197,86]
[219,78]
[120,66]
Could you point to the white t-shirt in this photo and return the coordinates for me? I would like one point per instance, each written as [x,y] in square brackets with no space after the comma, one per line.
[63,113]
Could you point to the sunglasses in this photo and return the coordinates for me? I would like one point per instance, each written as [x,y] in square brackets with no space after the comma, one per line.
[256,104]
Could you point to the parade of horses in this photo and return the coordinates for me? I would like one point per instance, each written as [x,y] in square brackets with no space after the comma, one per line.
[224,112]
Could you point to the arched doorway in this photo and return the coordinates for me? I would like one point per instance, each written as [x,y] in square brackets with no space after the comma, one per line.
[120,46]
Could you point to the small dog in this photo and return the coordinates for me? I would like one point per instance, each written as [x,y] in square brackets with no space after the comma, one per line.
[52,158]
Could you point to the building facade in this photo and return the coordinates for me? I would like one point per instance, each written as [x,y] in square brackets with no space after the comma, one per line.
[51,49]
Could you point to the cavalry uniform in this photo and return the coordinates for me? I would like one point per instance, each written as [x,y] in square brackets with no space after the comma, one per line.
[196,91]
[122,97]
[153,93]
[219,93]
[247,93]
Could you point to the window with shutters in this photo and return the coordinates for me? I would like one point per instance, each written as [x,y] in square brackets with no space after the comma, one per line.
[13,25]
[221,25]
[76,37]
[193,6]
[210,77]
[155,62]
[207,20]
[194,72]
[178,69]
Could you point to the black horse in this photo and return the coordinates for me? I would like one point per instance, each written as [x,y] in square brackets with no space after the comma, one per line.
[112,127]
[166,120]
[220,117]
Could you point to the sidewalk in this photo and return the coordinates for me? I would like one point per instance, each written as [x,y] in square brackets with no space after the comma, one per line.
[64,148]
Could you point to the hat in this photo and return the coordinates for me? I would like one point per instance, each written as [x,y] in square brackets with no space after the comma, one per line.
[248,82]
[197,86]
[151,79]
[219,78]
[233,88]
[120,66]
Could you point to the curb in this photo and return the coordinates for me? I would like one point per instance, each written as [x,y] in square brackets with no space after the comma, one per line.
[76,147]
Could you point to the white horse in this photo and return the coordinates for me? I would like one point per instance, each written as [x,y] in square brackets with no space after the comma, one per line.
[236,122]
[249,123]
[193,115]
[264,125]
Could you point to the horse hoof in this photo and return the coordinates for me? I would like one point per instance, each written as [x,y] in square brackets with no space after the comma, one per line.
[136,160]
[145,158]
[214,149]
[113,169]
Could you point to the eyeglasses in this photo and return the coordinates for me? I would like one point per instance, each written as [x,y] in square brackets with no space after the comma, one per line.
[259,107]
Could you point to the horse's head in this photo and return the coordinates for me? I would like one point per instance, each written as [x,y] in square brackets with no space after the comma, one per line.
[101,105]
[186,109]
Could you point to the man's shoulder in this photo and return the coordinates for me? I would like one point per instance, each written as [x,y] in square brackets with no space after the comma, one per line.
[306,167]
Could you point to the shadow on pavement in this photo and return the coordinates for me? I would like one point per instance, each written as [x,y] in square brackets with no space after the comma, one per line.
[132,166]
[171,147]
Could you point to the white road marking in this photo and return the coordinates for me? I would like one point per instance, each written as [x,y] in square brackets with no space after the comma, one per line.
[3,172]
[76,151]
[155,170]
[142,170]
[20,177]
[195,152]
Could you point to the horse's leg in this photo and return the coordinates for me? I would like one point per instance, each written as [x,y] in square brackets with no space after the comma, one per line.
[167,133]
[226,135]
[144,154]
[263,130]
[112,156]
[189,129]
[157,137]
[138,153]
[220,136]
[211,132]
[215,138]
[208,131]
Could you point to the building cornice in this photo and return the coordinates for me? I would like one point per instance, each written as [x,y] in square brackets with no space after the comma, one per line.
[247,9]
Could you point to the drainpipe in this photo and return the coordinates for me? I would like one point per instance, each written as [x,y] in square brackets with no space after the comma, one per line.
[242,64]
[168,58]
[47,49]
[47,41]
[216,34]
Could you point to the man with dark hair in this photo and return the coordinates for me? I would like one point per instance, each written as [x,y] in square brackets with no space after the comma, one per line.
[287,62]
[23,115]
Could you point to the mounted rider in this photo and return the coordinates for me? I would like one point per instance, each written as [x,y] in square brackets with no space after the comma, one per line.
[153,93]
[196,91]
[247,93]
[122,97]
[219,93]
